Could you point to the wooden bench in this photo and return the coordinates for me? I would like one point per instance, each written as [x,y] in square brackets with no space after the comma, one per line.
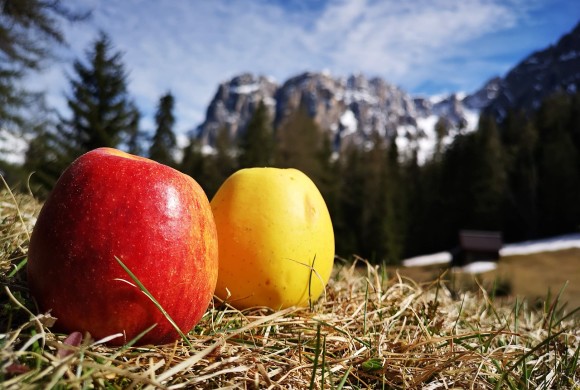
[476,245]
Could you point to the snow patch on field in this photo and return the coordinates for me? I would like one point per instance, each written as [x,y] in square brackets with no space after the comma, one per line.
[551,244]
[435,258]
[478,267]
[558,243]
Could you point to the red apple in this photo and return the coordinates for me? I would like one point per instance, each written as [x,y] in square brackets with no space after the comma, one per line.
[156,220]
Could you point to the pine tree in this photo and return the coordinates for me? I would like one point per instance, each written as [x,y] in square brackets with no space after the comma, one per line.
[135,135]
[416,204]
[430,214]
[256,145]
[299,141]
[488,177]
[194,162]
[164,143]
[328,181]
[29,27]
[28,31]
[520,142]
[462,177]
[360,222]
[13,99]
[372,240]
[348,221]
[42,162]
[221,164]
[558,167]
[473,176]
[100,105]
[441,130]
[101,113]
[395,217]
[574,120]
[559,186]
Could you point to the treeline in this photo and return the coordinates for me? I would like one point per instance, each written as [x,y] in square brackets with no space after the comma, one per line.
[521,176]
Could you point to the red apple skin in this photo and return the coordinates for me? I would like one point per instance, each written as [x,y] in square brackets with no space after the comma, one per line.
[157,220]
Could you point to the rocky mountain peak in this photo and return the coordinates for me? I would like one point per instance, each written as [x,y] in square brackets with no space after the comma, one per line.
[352,108]
[235,102]
[481,98]
[349,109]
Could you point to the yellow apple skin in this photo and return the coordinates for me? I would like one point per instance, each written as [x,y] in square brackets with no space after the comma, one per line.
[275,237]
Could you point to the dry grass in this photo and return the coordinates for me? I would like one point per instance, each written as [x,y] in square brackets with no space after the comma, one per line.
[525,276]
[371,330]
[533,273]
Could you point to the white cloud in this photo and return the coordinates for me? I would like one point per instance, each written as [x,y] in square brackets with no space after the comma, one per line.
[189,47]
[403,41]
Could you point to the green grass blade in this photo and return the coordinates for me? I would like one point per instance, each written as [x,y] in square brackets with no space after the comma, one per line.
[316,354]
[365,308]
[530,352]
[310,301]
[343,379]
[323,366]
[155,302]
[133,341]
[18,268]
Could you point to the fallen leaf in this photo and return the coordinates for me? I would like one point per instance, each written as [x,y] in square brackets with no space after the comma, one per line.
[74,340]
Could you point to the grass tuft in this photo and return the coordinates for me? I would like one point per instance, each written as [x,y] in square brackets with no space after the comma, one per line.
[369,331]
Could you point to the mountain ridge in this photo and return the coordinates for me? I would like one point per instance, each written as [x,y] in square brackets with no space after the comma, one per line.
[543,72]
[351,108]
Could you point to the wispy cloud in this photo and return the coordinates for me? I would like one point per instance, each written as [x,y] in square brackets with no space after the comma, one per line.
[189,47]
[407,42]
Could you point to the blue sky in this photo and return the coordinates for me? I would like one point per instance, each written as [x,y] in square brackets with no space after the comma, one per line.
[426,47]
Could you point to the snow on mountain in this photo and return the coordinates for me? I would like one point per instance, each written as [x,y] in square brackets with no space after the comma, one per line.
[234,103]
[355,107]
[351,109]
[553,69]
[348,122]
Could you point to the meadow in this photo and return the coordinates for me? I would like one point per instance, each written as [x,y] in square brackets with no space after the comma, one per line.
[530,277]
[374,328]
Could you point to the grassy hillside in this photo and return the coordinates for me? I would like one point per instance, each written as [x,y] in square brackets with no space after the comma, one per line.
[372,329]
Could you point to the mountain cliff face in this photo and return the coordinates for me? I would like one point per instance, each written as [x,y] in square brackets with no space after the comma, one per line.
[350,108]
[541,74]
[234,103]
[354,107]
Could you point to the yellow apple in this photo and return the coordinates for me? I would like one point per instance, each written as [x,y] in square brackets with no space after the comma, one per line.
[275,237]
